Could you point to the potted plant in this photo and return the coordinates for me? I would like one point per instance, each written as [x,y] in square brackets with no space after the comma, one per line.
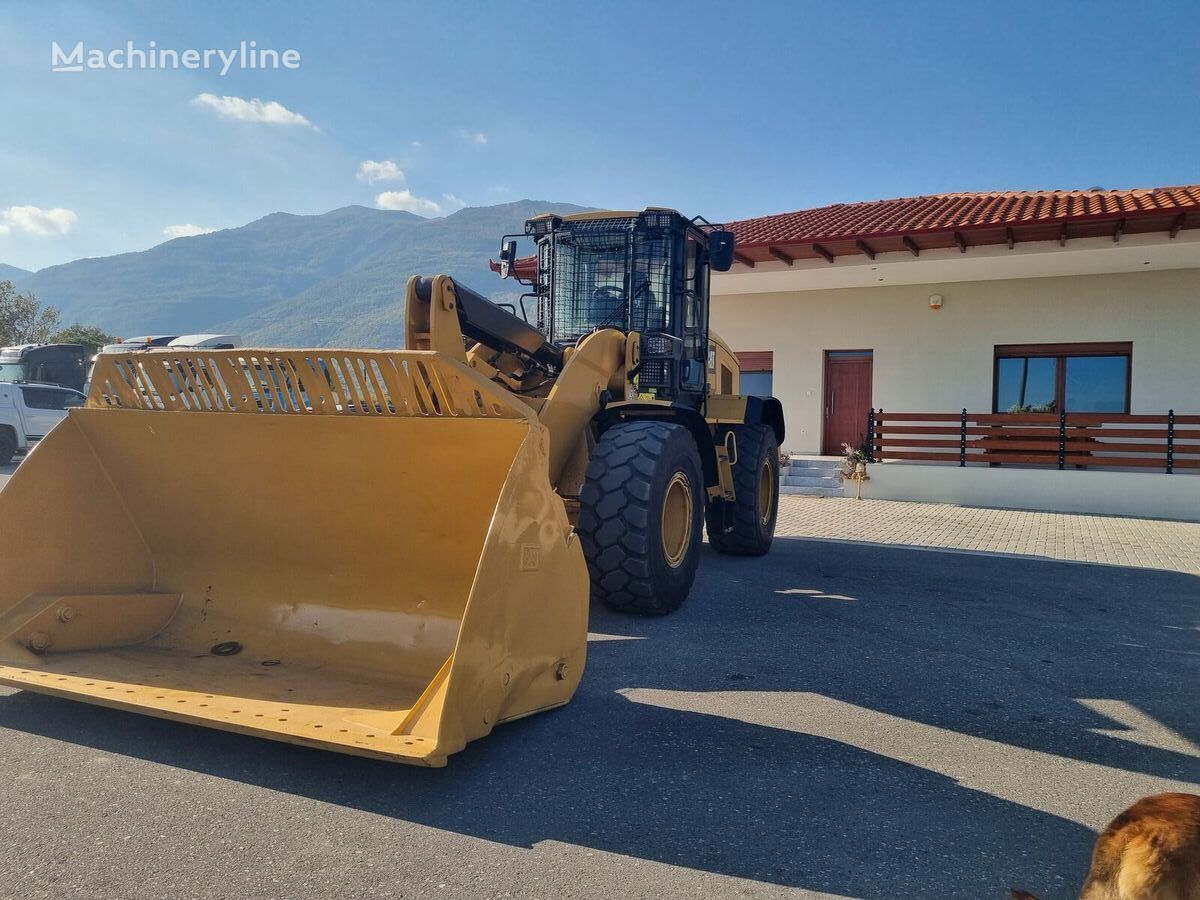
[854,460]
[854,467]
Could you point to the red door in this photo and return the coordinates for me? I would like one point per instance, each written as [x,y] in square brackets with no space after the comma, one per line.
[847,399]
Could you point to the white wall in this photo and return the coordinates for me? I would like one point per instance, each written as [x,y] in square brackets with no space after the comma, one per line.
[1121,493]
[941,361]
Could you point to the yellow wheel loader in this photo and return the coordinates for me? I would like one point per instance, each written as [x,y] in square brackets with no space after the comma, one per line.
[389,553]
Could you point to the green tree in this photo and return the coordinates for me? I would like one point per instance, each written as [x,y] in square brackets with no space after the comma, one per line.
[23,320]
[92,337]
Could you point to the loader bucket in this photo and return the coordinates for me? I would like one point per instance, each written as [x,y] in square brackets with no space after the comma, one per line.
[347,550]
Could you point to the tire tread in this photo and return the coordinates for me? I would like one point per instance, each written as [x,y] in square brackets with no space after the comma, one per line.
[617,522]
[744,538]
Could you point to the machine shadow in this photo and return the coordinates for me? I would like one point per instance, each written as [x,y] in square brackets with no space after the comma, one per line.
[686,789]
[1006,648]
[990,647]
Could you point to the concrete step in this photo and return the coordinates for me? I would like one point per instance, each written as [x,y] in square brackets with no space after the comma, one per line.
[809,481]
[810,471]
[812,491]
[811,476]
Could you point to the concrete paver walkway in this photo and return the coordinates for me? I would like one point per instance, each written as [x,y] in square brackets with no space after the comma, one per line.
[1149,543]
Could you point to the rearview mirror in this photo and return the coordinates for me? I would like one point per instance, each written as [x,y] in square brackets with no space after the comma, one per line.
[508,255]
[720,250]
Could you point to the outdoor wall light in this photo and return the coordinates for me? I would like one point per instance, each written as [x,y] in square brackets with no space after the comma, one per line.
[935,301]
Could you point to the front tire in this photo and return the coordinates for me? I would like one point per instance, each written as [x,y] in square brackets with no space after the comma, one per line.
[748,528]
[640,515]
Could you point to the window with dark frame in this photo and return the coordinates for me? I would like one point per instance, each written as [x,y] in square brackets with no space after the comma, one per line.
[51,398]
[757,378]
[1073,378]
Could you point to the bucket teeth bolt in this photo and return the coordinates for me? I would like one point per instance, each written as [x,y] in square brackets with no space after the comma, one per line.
[39,642]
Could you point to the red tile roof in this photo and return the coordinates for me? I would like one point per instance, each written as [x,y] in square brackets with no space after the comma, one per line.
[950,212]
[524,267]
[963,220]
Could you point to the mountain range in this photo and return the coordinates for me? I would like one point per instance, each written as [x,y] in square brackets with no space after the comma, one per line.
[335,279]
[12,273]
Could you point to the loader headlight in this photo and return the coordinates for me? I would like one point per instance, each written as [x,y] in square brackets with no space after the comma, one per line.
[541,227]
[657,220]
[660,345]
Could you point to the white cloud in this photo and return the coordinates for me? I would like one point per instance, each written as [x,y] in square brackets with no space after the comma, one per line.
[475,137]
[408,202]
[178,231]
[54,222]
[417,145]
[254,110]
[372,171]
[454,202]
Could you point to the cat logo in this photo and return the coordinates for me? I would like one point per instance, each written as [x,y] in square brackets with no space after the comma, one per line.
[531,557]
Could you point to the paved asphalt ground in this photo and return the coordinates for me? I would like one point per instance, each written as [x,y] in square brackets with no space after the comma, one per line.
[832,720]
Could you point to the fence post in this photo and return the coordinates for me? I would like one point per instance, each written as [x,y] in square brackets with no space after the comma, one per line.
[877,437]
[1170,441]
[1062,440]
[962,441]
[871,435]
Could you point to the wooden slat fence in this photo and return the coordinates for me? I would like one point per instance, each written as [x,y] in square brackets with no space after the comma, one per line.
[1078,440]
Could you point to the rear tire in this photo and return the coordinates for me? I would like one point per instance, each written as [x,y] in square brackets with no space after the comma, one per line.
[8,445]
[756,483]
[640,514]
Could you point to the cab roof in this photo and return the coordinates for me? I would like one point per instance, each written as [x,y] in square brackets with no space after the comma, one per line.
[604,214]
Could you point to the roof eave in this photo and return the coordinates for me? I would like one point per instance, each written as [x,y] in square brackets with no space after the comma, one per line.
[782,241]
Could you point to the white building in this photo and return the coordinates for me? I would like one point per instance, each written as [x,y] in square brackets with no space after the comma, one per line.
[1065,324]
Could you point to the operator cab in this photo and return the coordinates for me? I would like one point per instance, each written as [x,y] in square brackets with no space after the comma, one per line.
[644,272]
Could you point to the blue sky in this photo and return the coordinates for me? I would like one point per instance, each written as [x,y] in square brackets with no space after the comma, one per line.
[723,109]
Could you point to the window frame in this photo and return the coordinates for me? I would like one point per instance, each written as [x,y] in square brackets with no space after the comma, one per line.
[34,397]
[51,392]
[1061,353]
[755,362]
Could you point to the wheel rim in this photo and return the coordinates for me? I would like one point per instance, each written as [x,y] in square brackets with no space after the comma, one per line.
[766,492]
[677,520]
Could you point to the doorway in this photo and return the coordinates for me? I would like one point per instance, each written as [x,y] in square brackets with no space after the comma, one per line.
[847,399]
